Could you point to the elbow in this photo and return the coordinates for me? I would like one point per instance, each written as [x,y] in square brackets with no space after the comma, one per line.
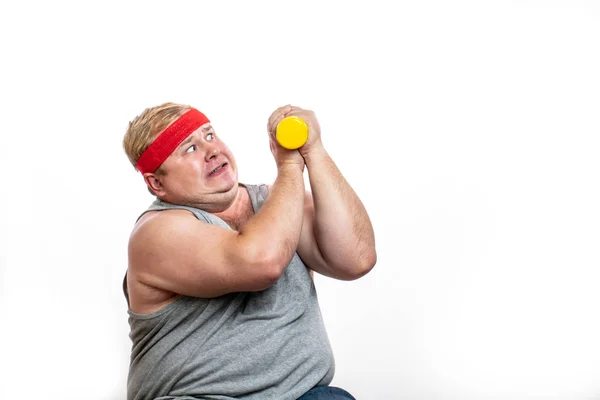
[370,261]
[265,263]
[271,272]
[364,264]
[266,269]
[274,260]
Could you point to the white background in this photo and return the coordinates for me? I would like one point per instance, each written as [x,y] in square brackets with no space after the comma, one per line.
[469,129]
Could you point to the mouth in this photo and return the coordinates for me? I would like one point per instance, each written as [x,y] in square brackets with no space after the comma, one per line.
[218,169]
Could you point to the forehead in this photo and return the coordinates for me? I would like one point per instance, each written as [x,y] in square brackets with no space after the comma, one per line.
[203,128]
[207,127]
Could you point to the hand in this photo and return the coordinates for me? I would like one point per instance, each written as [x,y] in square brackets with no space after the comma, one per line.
[314,129]
[282,155]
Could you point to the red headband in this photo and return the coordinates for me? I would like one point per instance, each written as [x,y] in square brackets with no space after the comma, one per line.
[169,139]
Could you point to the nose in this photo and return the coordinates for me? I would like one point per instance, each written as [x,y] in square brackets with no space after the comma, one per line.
[212,151]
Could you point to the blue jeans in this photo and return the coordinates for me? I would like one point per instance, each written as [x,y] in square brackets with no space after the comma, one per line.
[326,393]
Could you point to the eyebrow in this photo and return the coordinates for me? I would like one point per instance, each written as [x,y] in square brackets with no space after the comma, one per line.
[191,137]
[186,141]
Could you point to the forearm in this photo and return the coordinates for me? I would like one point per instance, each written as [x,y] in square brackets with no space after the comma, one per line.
[273,233]
[343,230]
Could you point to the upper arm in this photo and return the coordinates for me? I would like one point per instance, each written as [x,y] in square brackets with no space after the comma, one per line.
[174,251]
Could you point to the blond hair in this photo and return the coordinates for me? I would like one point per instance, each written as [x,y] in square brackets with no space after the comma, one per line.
[146,127]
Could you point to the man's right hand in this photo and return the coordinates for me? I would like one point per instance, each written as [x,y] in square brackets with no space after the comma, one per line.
[282,155]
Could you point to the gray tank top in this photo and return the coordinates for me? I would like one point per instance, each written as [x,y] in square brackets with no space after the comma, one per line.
[256,345]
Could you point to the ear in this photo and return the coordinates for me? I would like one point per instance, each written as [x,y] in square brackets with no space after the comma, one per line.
[154,183]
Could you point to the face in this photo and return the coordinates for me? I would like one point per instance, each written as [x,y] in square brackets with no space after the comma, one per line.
[201,172]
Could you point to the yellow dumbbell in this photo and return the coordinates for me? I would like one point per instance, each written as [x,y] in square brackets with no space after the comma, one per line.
[292,133]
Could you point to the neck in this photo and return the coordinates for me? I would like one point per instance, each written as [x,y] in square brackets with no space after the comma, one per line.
[231,206]
[217,203]
[239,211]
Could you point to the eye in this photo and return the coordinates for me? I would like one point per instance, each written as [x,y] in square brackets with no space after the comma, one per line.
[191,148]
[210,136]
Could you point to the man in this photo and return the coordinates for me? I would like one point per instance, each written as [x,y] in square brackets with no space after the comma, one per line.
[222,303]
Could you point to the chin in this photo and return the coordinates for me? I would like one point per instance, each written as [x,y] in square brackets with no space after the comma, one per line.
[227,191]
[227,184]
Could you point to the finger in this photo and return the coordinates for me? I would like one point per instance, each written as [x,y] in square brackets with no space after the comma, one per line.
[277,116]
[300,113]
[277,122]
[296,109]
[274,115]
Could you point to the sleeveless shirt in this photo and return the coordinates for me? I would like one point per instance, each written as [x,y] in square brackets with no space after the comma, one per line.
[270,344]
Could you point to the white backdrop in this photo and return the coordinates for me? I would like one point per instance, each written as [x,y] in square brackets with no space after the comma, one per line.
[469,129]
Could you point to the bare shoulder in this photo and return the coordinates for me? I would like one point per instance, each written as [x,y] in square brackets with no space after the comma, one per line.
[155,225]
[159,235]
[146,242]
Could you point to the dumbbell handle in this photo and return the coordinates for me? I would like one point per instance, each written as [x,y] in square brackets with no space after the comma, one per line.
[292,133]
